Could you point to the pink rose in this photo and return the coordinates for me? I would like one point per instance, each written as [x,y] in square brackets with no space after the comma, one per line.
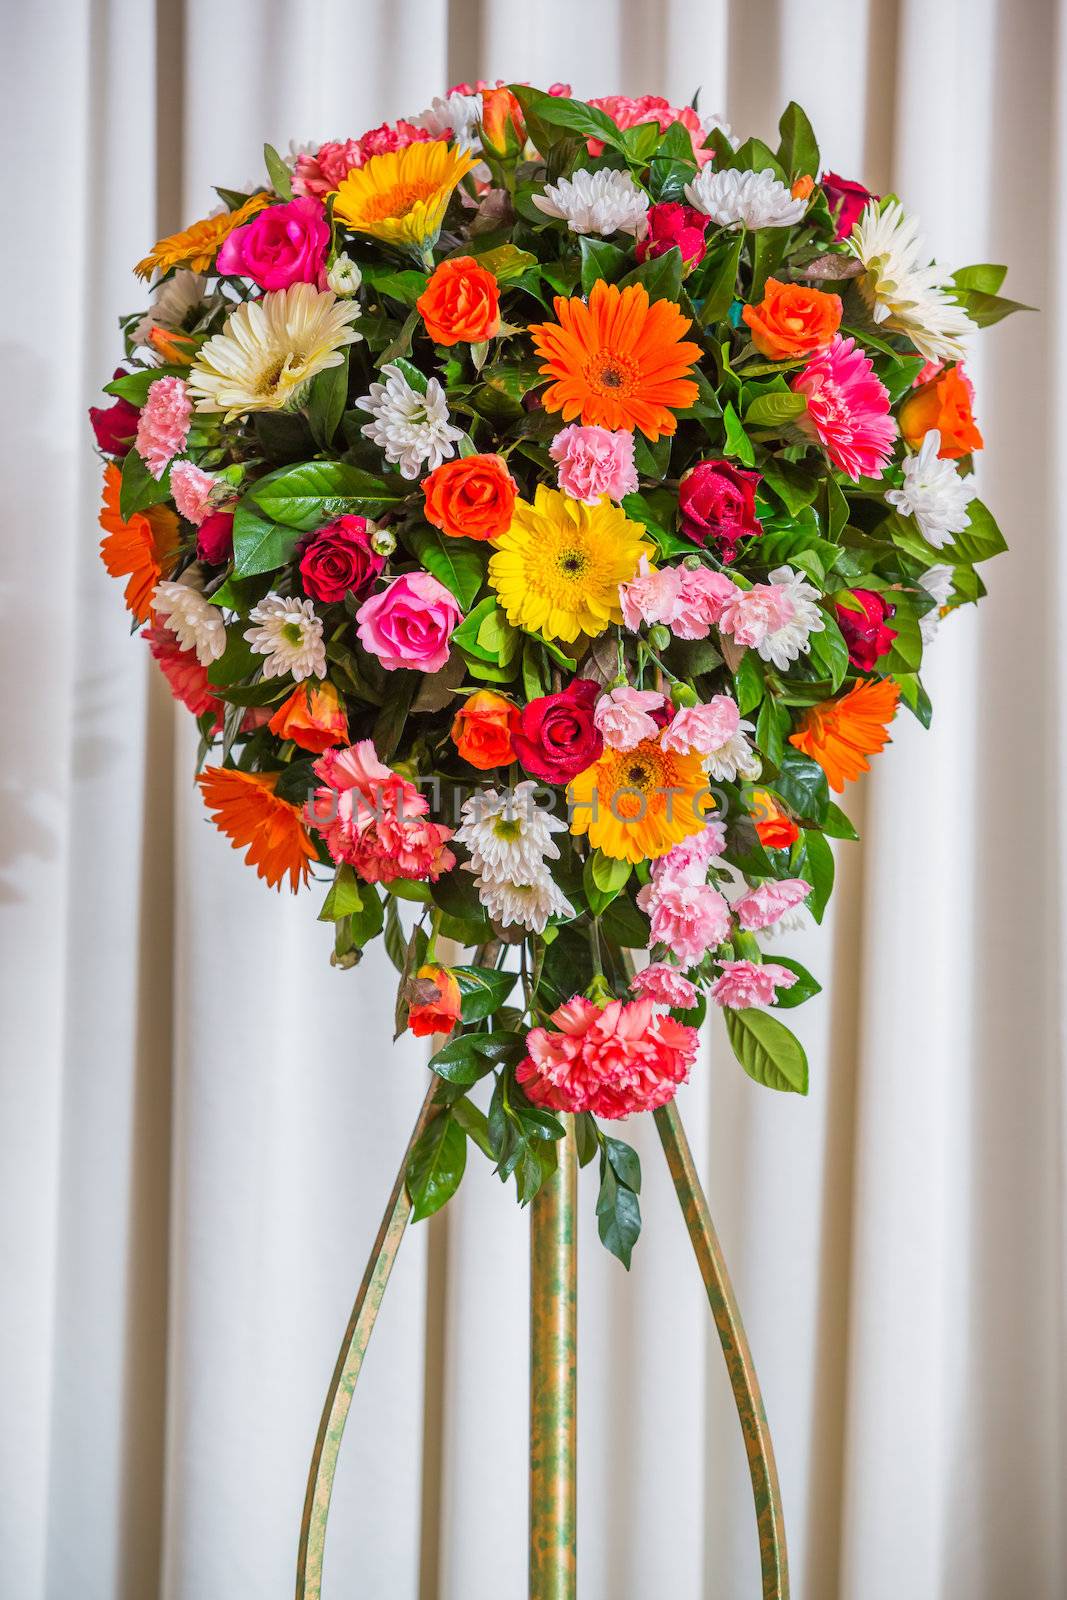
[319,174]
[409,623]
[765,904]
[671,223]
[746,983]
[281,245]
[664,985]
[624,716]
[689,918]
[852,198]
[594,462]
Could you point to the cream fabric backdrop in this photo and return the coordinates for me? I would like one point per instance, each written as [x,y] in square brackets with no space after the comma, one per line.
[199,1119]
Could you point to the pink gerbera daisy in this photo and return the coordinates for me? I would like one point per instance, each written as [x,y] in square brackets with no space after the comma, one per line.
[848,409]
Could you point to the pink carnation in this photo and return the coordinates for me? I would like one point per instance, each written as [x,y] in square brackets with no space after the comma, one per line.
[194,491]
[702,597]
[689,918]
[163,425]
[765,904]
[665,985]
[594,462]
[848,409]
[612,1062]
[746,983]
[183,672]
[627,112]
[624,717]
[317,175]
[703,728]
[375,820]
[409,623]
[390,136]
[688,862]
[650,597]
[753,615]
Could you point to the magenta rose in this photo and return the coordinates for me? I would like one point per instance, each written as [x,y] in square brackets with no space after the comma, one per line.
[340,559]
[717,501]
[556,737]
[674,224]
[281,245]
[115,426]
[409,623]
[865,631]
[851,197]
[214,538]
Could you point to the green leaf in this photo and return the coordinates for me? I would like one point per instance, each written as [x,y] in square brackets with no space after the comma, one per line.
[483,989]
[836,825]
[406,286]
[804,989]
[767,1050]
[714,284]
[618,1213]
[325,406]
[281,179]
[436,1166]
[798,151]
[312,493]
[817,869]
[625,1163]
[794,485]
[466,635]
[755,156]
[767,255]
[344,898]
[907,648]
[458,563]
[985,309]
[474,1124]
[801,783]
[237,661]
[985,277]
[585,1137]
[459,1062]
[776,410]
[396,944]
[259,545]
[660,276]
[738,442]
[601,260]
[748,682]
[557,115]
[395,710]
[138,489]
[134,386]
[608,874]
[505,261]
[829,651]
[772,724]
[981,539]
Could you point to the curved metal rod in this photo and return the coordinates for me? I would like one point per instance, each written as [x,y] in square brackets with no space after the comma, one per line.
[349,1361]
[739,1364]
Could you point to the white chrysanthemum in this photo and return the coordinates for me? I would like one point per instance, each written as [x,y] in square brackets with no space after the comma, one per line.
[903,288]
[288,635]
[787,642]
[597,202]
[455,113]
[757,199]
[934,493]
[411,428]
[270,348]
[714,120]
[197,624]
[507,833]
[528,904]
[937,582]
[175,299]
[736,758]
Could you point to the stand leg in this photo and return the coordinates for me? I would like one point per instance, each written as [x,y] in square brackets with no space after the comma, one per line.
[735,1348]
[553,1374]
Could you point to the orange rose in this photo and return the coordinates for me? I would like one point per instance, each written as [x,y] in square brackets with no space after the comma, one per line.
[460,303]
[945,404]
[313,717]
[435,1001]
[792,320]
[471,498]
[776,830]
[482,731]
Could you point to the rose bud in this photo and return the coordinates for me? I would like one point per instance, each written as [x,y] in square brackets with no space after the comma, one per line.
[435,1001]
[717,501]
[674,224]
[775,828]
[214,538]
[864,630]
[115,426]
[852,198]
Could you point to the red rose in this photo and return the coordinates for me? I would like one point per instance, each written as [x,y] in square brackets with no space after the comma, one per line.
[340,559]
[115,425]
[717,500]
[672,223]
[556,737]
[851,197]
[865,631]
[214,538]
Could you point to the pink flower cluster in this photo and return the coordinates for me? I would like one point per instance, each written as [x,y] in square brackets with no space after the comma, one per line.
[614,1061]
[848,409]
[375,820]
[594,462]
[627,112]
[626,716]
[748,983]
[665,986]
[163,425]
[689,603]
[319,173]
[768,901]
[685,913]
[194,491]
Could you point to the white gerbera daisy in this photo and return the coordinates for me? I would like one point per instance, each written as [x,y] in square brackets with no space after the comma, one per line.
[937,582]
[789,640]
[411,428]
[288,635]
[455,114]
[934,493]
[197,624]
[507,833]
[597,202]
[270,348]
[528,904]
[757,199]
[903,288]
[175,299]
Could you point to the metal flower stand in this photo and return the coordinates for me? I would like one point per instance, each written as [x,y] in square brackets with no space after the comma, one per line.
[553,1369]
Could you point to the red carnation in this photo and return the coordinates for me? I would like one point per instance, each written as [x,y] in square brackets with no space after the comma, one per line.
[340,560]
[865,631]
[556,737]
[674,224]
[717,500]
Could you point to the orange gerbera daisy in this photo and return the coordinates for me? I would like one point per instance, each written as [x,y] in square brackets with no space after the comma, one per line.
[197,246]
[140,549]
[619,361]
[246,809]
[841,734]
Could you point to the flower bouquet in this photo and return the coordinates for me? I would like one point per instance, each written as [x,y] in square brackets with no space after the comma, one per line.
[542,506]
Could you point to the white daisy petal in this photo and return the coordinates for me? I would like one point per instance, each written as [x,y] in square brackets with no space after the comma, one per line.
[288,635]
[411,428]
[906,292]
[197,624]
[934,493]
[597,202]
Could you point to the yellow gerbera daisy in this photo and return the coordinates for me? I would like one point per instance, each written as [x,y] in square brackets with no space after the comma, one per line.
[197,246]
[558,568]
[402,196]
[637,804]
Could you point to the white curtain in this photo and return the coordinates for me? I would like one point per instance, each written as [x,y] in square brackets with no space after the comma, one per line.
[200,1120]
